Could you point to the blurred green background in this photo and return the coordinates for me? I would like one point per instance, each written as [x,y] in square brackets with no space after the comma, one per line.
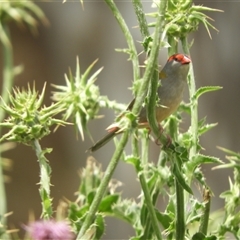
[94,33]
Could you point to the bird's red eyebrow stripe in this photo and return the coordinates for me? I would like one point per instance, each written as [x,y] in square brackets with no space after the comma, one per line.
[184,59]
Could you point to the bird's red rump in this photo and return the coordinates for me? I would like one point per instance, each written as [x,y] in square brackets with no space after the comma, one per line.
[182,58]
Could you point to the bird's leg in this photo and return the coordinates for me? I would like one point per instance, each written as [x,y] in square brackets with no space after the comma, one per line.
[169,140]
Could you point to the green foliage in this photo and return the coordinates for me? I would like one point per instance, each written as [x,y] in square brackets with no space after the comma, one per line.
[170,177]
[231,218]
[91,177]
[205,89]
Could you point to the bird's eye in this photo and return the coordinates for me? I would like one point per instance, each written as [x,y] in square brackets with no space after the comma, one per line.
[176,59]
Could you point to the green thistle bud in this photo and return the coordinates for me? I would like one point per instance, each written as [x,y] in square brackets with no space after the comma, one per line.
[183,17]
[80,97]
[27,120]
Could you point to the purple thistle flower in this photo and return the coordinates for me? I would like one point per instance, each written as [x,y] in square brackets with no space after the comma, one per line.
[49,230]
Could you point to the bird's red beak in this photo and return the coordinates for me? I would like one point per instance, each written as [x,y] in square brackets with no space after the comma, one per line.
[186,59]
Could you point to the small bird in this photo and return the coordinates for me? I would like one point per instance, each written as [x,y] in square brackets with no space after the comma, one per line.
[173,78]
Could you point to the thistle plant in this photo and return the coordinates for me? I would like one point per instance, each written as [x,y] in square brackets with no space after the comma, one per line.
[28,122]
[171,177]
[23,14]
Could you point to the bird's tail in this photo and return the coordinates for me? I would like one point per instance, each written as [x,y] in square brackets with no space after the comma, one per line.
[104,140]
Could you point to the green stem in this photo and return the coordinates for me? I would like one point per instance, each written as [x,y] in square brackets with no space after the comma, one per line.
[135,148]
[162,159]
[180,218]
[194,104]
[145,150]
[179,183]
[45,172]
[150,206]
[194,117]
[103,185]
[148,229]
[144,160]
[8,78]
[129,38]
[174,46]
[141,17]
[206,212]
[3,201]
[8,72]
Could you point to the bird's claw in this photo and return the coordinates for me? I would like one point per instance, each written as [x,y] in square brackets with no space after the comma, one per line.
[169,140]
